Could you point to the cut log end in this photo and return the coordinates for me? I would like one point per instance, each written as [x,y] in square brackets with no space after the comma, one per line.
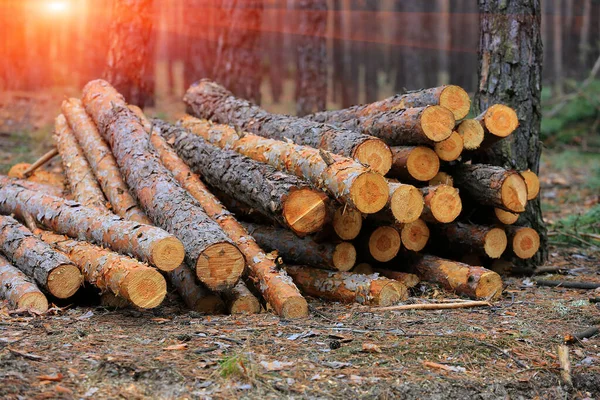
[344,256]
[376,154]
[415,235]
[294,307]
[423,164]
[245,305]
[506,217]
[514,193]
[437,123]
[167,254]
[500,120]
[220,266]
[525,243]
[33,301]
[495,242]
[472,133]
[209,304]
[441,178]
[445,204]
[489,286]
[145,288]
[64,281]
[305,211]
[369,192]
[532,182]
[457,100]
[406,203]
[347,222]
[384,243]
[451,148]
[392,293]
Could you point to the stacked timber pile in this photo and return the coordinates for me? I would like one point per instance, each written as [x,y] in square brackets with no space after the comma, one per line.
[237,208]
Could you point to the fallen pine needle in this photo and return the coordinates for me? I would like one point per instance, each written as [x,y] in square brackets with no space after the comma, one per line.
[442,306]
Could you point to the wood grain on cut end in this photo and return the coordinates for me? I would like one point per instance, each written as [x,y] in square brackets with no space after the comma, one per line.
[145,288]
[437,123]
[495,242]
[444,203]
[295,307]
[406,202]
[451,148]
[33,301]
[64,281]
[500,120]
[167,254]
[457,100]
[489,286]
[369,192]
[220,266]
[240,300]
[375,154]
[344,256]
[532,182]
[525,242]
[363,268]
[384,243]
[472,133]
[506,217]
[391,293]
[441,178]
[347,222]
[415,235]
[514,193]
[305,210]
[422,163]
[407,279]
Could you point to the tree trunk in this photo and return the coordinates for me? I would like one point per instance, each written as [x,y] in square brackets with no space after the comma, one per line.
[52,270]
[240,300]
[510,73]
[144,242]
[283,197]
[211,101]
[20,290]
[311,57]
[460,237]
[195,295]
[131,57]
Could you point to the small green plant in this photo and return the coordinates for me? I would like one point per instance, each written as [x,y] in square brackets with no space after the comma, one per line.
[582,230]
[233,366]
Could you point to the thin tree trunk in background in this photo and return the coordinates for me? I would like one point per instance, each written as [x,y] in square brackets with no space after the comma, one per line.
[275,49]
[311,58]
[201,40]
[131,61]
[238,62]
[371,50]
[409,34]
[349,94]
[557,47]
[355,50]
[338,52]
[510,63]
[443,41]
[584,38]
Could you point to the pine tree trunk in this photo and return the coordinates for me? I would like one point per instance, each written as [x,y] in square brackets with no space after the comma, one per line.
[510,73]
[19,289]
[131,57]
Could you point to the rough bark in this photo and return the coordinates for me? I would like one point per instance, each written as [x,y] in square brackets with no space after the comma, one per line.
[144,242]
[240,300]
[262,269]
[343,178]
[311,57]
[131,56]
[102,162]
[51,270]
[258,185]
[207,248]
[195,295]
[407,279]
[347,287]
[462,279]
[423,125]
[510,61]
[442,203]
[20,291]
[82,181]
[491,185]
[414,163]
[125,277]
[451,97]
[486,240]
[209,100]
[295,250]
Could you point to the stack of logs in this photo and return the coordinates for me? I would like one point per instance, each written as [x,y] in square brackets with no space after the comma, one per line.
[238,208]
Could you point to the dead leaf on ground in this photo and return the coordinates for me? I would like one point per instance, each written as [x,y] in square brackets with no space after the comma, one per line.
[180,346]
[370,348]
[276,365]
[54,378]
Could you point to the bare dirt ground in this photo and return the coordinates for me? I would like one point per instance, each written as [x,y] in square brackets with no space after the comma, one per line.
[508,350]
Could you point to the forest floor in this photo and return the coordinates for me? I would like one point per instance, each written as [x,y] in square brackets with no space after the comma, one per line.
[508,350]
